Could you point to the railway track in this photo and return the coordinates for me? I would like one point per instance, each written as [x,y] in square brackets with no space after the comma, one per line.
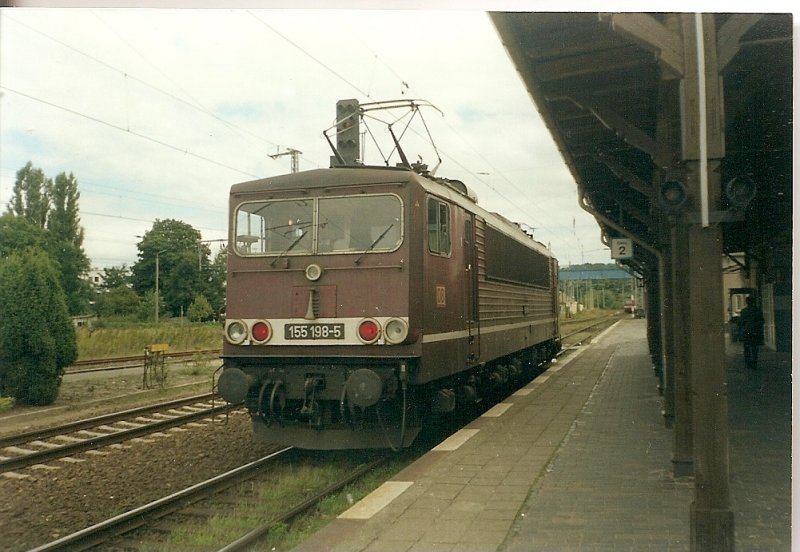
[138,517]
[585,329]
[147,516]
[135,361]
[150,514]
[45,445]
[247,541]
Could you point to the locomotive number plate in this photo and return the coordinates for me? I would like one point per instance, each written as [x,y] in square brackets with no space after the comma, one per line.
[313,331]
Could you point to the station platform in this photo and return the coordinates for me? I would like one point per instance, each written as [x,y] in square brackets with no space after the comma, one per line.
[580,459]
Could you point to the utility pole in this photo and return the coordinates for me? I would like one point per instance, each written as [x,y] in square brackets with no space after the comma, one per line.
[289,151]
[199,249]
[158,254]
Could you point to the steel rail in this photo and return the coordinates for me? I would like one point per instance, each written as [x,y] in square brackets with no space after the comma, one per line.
[101,363]
[138,517]
[248,540]
[95,421]
[91,443]
[583,329]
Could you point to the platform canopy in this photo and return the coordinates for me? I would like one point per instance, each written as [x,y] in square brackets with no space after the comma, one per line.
[608,86]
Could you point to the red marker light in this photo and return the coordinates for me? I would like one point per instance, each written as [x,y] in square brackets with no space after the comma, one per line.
[368,331]
[261,332]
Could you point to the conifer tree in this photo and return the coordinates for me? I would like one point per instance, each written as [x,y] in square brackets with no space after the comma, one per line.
[37,338]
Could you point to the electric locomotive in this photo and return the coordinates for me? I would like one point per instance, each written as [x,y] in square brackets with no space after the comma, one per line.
[363,300]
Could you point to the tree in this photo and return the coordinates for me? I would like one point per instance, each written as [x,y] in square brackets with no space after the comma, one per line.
[147,305]
[118,301]
[73,264]
[180,255]
[116,276]
[200,310]
[63,218]
[52,206]
[63,222]
[37,338]
[215,275]
[17,233]
[31,197]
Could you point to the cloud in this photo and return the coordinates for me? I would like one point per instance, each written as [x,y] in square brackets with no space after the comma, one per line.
[158,112]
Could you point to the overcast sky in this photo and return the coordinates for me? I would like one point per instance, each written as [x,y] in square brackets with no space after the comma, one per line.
[158,112]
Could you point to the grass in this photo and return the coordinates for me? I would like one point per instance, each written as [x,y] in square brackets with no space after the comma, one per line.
[117,341]
[330,507]
[287,485]
[588,313]
[6,403]
[131,340]
[126,389]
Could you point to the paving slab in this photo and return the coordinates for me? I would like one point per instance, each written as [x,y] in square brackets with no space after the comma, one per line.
[580,459]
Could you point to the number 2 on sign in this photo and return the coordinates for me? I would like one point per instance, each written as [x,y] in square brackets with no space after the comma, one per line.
[621,248]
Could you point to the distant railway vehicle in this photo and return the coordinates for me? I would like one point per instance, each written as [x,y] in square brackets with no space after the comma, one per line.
[363,300]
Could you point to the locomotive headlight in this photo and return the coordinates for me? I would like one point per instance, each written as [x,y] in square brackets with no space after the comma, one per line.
[261,331]
[395,331]
[235,331]
[313,272]
[369,330]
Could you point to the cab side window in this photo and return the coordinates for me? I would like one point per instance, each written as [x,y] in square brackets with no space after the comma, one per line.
[438,227]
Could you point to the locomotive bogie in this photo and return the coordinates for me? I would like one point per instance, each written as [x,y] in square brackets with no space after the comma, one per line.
[306,405]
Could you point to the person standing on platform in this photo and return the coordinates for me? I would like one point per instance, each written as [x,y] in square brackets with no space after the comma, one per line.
[751,332]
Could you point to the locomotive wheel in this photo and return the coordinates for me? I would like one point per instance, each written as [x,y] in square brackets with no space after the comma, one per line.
[261,394]
[277,400]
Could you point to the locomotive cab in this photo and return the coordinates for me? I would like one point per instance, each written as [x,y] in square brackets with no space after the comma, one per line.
[321,332]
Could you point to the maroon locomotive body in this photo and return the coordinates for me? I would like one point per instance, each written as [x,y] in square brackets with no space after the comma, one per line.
[361,300]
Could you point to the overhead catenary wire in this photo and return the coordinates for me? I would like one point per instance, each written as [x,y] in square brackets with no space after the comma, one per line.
[498,189]
[128,76]
[515,205]
[303,50]
[128,131]
[121,217]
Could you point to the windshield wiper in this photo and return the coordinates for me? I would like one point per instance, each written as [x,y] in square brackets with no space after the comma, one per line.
[373,244]
[291,246]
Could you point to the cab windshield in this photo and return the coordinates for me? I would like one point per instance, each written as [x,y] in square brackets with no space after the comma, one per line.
[326,225]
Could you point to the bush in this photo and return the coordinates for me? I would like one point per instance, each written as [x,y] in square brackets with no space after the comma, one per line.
[147,305]
[6,403]
[200,310]
[37,338]
[119,301]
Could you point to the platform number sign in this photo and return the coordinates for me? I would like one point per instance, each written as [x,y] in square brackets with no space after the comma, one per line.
[621,248]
